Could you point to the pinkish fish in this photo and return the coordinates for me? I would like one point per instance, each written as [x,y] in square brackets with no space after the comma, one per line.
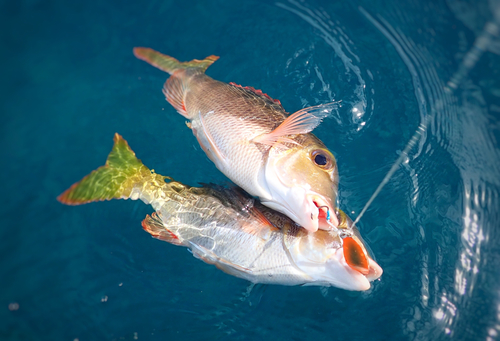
[253,141]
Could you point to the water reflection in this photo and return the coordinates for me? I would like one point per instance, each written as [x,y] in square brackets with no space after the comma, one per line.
[454,129]
[453,221]
[488,39]
[332,33]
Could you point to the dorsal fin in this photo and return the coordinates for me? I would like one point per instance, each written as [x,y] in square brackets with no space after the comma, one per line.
[257,92]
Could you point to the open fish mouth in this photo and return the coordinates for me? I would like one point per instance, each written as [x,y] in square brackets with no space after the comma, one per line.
[324,212]
[357,258]
[353,278]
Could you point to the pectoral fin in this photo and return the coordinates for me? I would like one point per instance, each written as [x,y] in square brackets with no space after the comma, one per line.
[301,122]
[259,225]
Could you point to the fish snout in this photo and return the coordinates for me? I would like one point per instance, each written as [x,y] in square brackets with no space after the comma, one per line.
[375,271]
[345,276]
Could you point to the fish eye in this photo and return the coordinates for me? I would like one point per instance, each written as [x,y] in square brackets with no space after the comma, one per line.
[322,158]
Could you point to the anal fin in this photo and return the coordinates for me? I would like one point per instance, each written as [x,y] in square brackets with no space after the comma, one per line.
[155,227]
[174,90]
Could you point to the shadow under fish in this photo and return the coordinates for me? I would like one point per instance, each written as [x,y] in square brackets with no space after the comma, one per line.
[228,228]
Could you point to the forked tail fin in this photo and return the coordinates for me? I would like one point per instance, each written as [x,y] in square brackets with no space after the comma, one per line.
[122,177]
[170,64]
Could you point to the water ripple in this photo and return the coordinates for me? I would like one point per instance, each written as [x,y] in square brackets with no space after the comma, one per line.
[332,33]
[459,130]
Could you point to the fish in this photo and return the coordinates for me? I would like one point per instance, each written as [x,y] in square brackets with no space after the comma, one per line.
[230,229]
[252,140]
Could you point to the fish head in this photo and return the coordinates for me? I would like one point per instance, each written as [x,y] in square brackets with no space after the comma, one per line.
[334,261]
[302,182]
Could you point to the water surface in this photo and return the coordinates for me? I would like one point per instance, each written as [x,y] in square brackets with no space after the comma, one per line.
[70,82]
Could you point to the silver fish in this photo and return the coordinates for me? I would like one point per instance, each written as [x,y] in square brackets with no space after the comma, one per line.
[231,230]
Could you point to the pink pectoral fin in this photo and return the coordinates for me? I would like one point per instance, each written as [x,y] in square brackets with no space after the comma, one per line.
[301,122]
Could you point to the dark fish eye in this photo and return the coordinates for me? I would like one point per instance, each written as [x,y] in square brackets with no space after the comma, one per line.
[322,159]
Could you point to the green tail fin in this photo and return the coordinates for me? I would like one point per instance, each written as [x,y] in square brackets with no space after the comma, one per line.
[122,173]
[169,64]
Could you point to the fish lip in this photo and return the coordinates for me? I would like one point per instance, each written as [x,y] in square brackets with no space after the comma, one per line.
[351,279]
[320,208]
[375,270]
[354,279]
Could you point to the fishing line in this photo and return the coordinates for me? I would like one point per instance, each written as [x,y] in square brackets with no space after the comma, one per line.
[404,154]
[487,40]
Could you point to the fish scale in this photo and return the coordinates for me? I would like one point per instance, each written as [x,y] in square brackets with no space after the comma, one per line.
[215,102]
[221,234]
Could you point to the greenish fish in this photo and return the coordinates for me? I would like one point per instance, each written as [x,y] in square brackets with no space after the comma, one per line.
[230,229]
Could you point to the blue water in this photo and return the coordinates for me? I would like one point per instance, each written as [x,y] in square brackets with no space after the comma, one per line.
[70,81]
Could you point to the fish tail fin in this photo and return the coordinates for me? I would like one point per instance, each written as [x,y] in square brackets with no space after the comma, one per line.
[170,64]
[175,87]
[122,177]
